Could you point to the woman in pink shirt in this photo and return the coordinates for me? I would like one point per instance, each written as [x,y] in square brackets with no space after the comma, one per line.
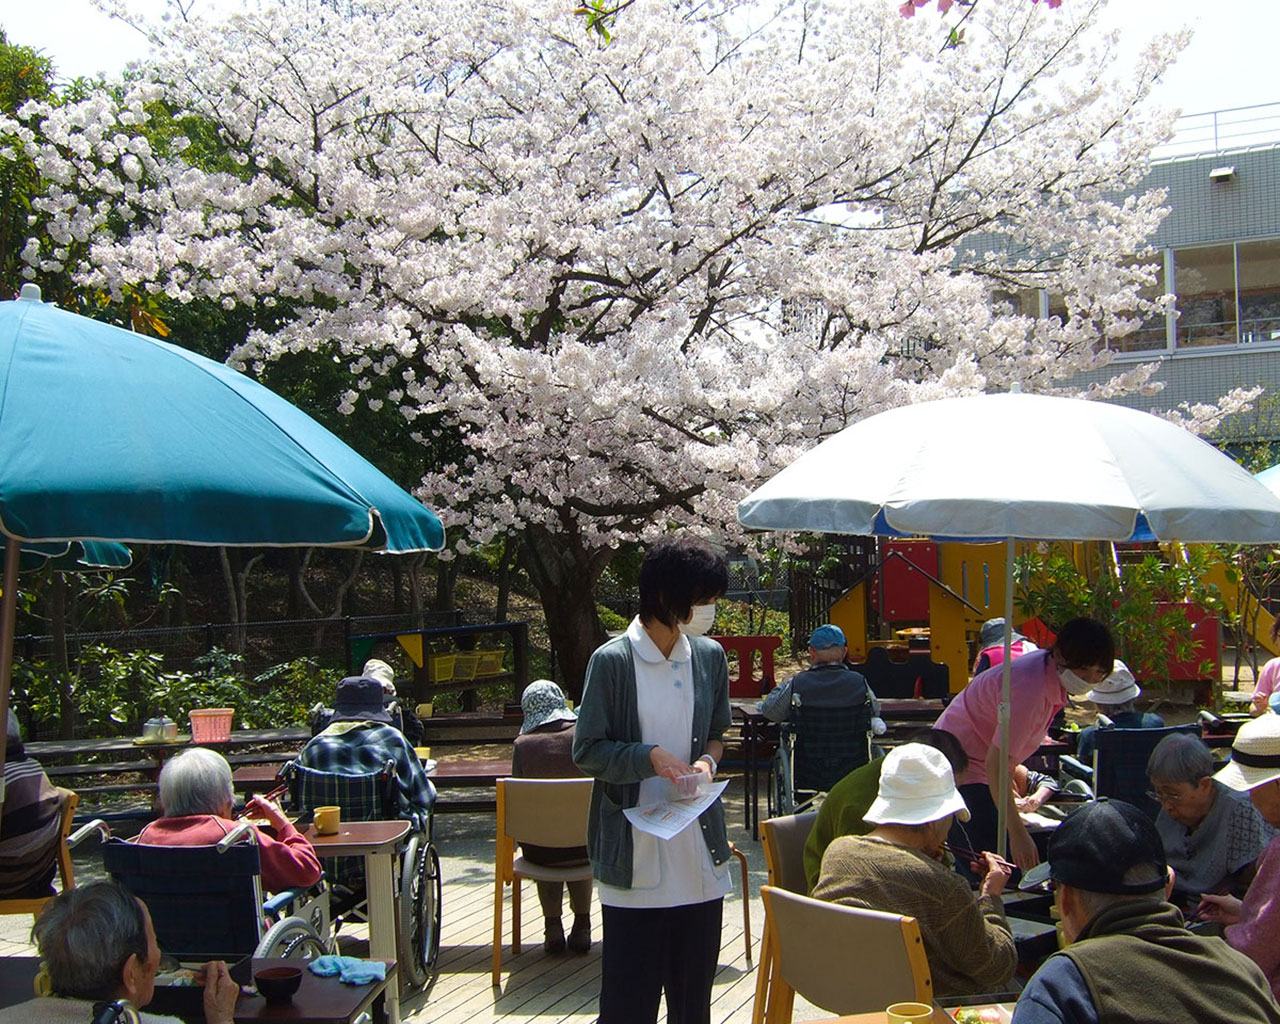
[1253,924]
[1081,657]
[196,794]
[1268,678]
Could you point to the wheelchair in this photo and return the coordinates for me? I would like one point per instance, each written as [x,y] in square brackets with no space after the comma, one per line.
[373,797]
[817,748]
[206,902]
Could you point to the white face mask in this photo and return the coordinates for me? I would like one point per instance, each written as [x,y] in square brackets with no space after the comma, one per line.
[700,621]
[1075,686]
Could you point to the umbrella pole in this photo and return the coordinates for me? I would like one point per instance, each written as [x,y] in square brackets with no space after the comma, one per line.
[8,616]
[1002,807]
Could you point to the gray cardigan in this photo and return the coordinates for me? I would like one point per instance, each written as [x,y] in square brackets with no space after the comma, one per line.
[606,746]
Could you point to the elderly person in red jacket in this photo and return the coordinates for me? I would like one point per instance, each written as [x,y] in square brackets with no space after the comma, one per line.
[196,794]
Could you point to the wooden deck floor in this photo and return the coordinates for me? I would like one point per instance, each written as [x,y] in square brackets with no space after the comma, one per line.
[535,986]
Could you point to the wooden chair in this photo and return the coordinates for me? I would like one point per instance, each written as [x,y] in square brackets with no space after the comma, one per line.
[65,871]
[543,812]
[784,841]
[842,959]
[746,899]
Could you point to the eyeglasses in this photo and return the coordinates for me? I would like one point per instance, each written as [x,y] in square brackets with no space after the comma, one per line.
[1172,799]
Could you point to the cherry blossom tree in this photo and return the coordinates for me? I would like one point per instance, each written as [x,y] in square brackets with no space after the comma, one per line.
[635,275]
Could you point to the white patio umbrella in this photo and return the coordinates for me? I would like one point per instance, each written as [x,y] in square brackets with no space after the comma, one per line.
[1017,467]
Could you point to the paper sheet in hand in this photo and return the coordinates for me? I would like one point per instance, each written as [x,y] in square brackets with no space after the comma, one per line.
[673,817]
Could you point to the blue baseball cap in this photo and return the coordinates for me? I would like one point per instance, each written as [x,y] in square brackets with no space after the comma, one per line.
[827,636]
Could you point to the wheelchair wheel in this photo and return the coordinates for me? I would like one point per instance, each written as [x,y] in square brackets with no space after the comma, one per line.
[291,939]
[418,919]
[781,800]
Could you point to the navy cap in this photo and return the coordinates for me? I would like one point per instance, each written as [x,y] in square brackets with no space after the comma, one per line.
[1099,845]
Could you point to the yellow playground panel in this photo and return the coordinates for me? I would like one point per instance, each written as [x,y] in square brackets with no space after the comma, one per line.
[965,584]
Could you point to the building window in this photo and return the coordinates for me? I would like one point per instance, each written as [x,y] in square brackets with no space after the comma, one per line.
[1259,270]
[1204,283]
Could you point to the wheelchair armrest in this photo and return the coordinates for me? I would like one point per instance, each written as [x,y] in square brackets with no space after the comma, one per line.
[1076,769]
[86,830]
[282,899]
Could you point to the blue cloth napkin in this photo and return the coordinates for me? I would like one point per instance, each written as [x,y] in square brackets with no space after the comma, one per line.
[349,969]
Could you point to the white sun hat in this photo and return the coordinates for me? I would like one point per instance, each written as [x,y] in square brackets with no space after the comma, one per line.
[1255,754]
[1117,688]
[916,787]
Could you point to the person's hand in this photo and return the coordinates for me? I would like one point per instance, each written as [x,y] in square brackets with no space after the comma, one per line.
[1221,908]
[995,873]
[258,807]
[1022,848]
[1031,804]
[668,766]
[220,994]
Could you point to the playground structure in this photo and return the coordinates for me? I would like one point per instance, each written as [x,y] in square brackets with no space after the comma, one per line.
[933,596]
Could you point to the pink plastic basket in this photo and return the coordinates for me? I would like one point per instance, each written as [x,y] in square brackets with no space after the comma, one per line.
[211,725]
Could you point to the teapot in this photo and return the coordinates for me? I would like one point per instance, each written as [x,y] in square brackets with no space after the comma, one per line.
[159,729]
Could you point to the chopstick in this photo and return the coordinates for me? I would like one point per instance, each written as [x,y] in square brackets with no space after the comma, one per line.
[974,855]
[275,794]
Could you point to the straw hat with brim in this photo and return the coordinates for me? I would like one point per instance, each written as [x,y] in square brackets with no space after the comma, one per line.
[1118,688]
[1255,755]
[916,787]
[359,700]
[542,702]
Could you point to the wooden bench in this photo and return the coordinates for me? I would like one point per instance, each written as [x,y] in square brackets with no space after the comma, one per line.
[67,760]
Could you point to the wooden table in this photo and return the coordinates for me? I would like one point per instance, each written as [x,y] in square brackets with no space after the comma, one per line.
[318,1000]
[376,842]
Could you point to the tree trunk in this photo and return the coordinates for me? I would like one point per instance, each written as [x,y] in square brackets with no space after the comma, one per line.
[510,554]
[339,600]
[417,604]
[565,574]
[446,578]
[397,585]
[235,574]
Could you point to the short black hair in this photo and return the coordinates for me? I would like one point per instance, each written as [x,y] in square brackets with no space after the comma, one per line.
[1083,643]
[946,742]
[676,574]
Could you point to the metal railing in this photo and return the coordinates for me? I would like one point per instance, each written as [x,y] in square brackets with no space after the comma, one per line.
[1216,131]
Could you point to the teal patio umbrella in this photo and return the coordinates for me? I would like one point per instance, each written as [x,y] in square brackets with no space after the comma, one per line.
[108,435]
[75,556]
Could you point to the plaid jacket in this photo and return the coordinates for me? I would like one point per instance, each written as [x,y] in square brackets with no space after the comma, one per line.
[365,749]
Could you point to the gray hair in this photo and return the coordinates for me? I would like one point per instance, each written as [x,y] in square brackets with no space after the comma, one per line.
[86,936]
[13,730]
[1094,903]
[197,781]
[1180,757]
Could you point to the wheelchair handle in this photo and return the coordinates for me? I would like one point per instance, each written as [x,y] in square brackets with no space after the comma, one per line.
[86,830]
[245,828]
[113,1012]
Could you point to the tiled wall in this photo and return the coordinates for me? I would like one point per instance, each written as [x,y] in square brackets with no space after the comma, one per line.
[1247,206]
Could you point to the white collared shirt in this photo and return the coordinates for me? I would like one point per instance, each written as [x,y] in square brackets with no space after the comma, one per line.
[678,871]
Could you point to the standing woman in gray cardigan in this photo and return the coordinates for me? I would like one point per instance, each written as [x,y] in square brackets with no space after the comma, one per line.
[655,707]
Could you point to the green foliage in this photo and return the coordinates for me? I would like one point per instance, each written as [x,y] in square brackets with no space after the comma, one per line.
[1144,607]
[740,618]
[116,691]
[611,620]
